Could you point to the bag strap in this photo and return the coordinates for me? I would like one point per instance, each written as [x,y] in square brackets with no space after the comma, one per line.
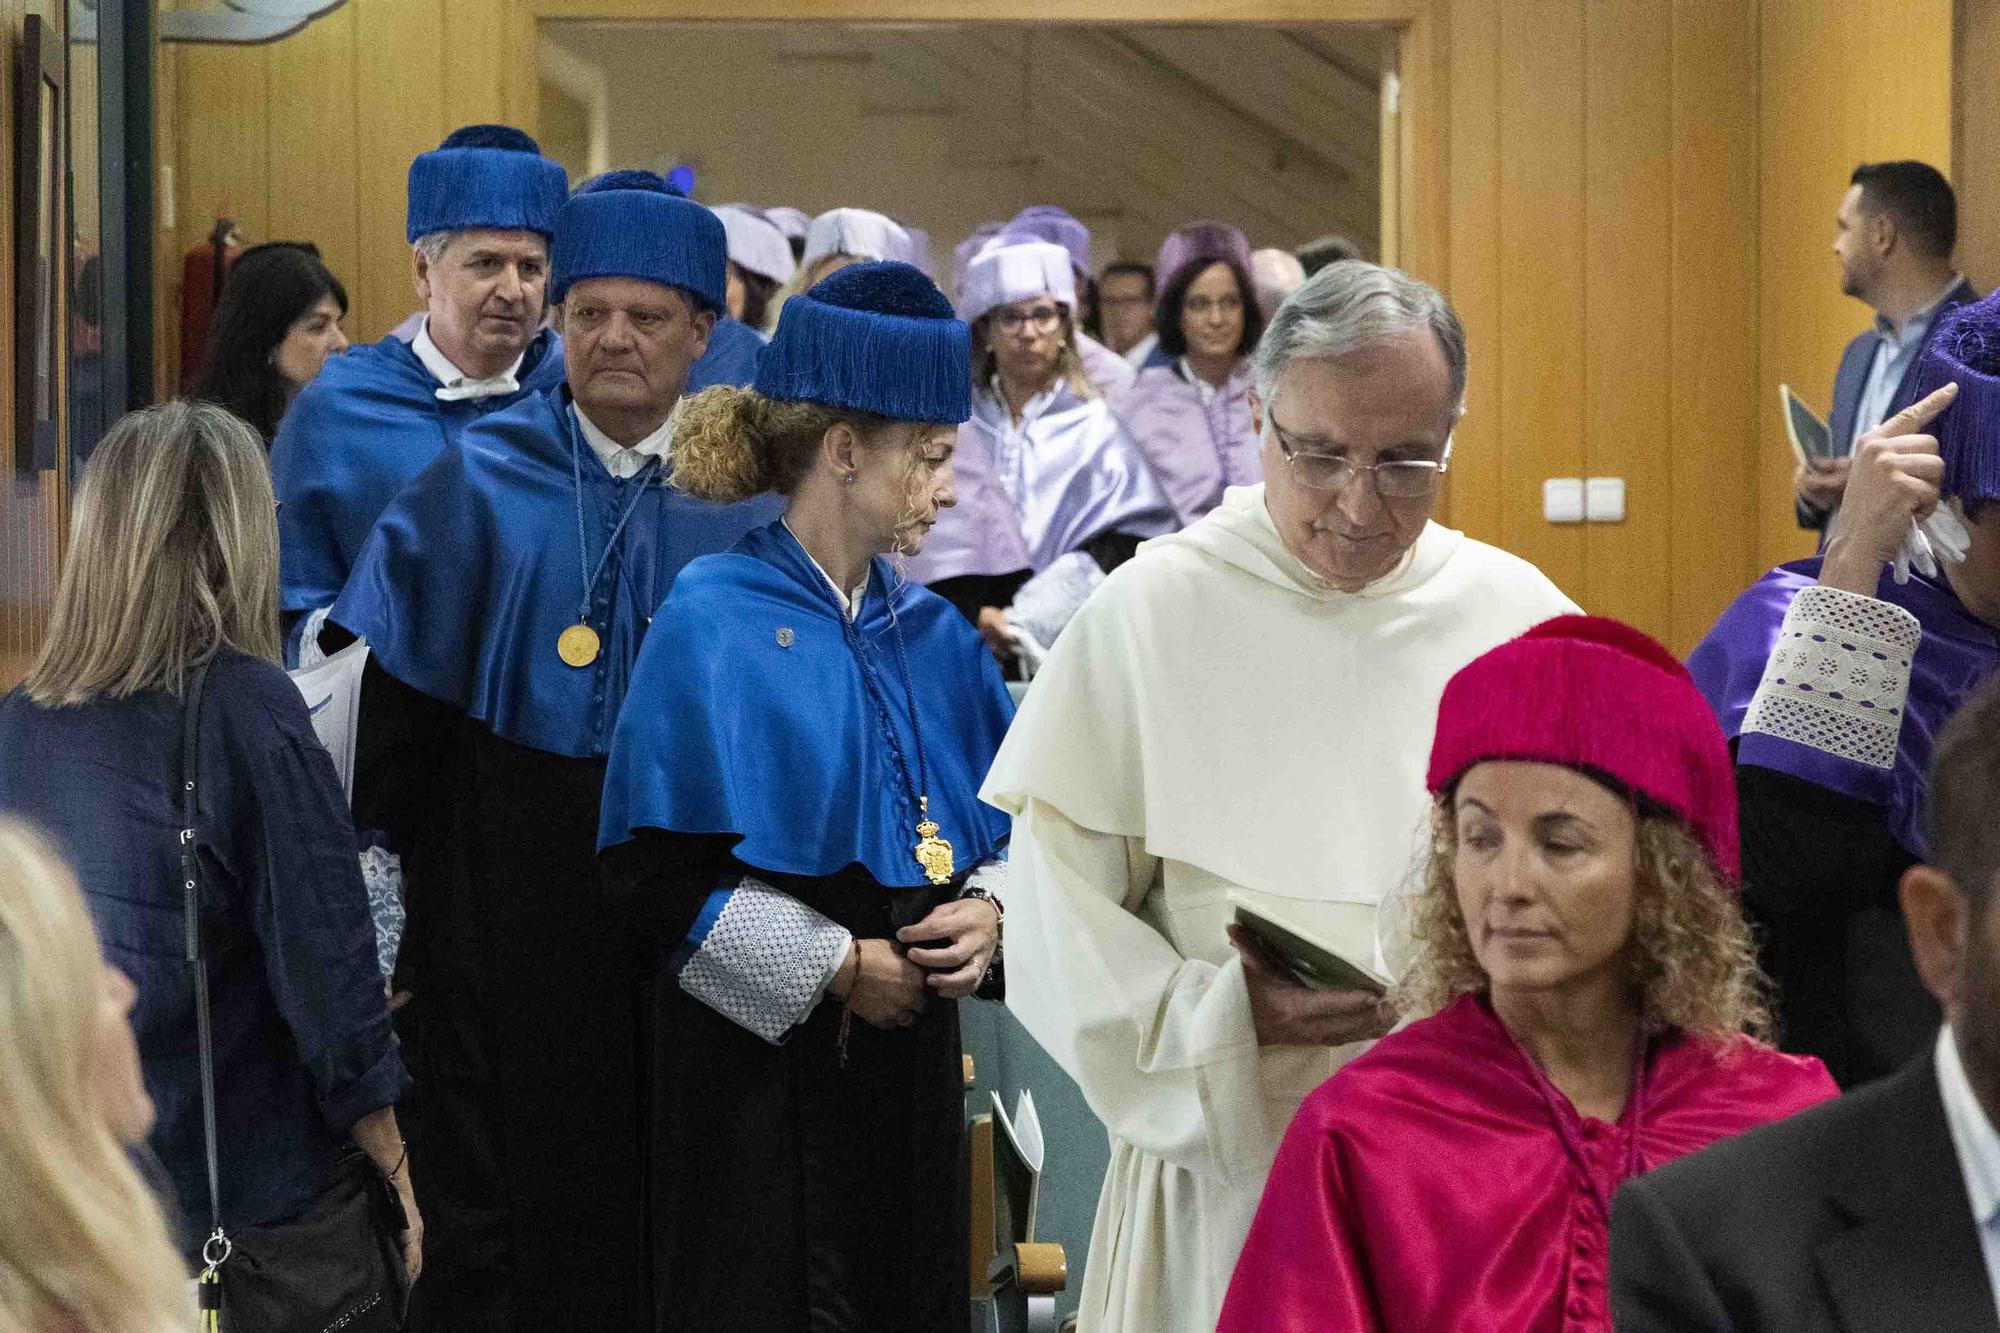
[217,1248]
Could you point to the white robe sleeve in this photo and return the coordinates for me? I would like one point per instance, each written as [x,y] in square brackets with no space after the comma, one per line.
[1162,1046]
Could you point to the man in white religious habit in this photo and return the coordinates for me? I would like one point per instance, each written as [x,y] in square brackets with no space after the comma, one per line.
[1246,706]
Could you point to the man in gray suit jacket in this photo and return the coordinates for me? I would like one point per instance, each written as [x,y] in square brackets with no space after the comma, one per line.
[1879,1212]
[1894,235]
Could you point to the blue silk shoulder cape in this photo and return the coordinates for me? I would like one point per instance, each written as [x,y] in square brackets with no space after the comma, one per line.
[748,716]
[1956,653]
[473,573]
[352,440]
[731,357]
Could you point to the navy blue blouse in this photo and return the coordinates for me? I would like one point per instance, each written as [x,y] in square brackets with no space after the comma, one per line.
[303,1045]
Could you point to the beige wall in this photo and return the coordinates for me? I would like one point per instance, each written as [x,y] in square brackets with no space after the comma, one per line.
[1630,201]
[948,127]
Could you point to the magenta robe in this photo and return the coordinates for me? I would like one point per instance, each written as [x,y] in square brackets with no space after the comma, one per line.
[1441,1182]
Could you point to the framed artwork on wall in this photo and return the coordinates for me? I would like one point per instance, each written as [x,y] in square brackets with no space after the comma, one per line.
[41,247]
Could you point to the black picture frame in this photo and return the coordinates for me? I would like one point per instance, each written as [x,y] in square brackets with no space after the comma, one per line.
[41,246]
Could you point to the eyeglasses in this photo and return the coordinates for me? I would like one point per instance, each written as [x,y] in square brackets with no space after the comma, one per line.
[1202,305]
[1397,479]
[1042,319]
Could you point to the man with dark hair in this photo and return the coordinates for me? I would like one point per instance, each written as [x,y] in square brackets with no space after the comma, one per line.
[1125,304]
[1317,253]
[1894,236]
[1880,1211]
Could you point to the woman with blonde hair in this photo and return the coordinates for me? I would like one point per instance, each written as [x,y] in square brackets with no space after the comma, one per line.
[172,579]
[1587,1007]
[792,804]
[1053,493]
[83,1244]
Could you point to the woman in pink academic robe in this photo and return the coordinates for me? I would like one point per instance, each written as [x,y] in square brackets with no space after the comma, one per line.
[1591,994]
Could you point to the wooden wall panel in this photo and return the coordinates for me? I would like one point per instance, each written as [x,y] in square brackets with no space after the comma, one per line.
[1975,134]
[1712,312]
[312,193]
[1840,82]
[1626,386]
[1473,275]
[1540,114]
[398,113]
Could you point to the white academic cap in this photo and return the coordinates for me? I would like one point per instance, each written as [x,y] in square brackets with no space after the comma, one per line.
[1275,274]
[856,232]
[755,243]
[1016,271]
[789,220]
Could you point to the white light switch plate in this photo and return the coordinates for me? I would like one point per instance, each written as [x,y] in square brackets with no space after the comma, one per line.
[1562,499]
[1604,499]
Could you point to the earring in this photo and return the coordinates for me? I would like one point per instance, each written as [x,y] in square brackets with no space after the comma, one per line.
[848,478]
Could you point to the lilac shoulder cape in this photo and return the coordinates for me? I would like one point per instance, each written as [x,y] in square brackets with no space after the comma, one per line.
[1027,498]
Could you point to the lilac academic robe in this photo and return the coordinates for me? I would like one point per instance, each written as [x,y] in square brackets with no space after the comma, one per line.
[1030,495]
[1197,448]
[1441,1182]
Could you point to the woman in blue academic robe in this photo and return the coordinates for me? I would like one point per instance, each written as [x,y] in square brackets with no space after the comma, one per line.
[791,811]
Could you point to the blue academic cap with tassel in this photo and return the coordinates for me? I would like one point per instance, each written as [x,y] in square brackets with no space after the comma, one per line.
[485,176]
[632,224]
[877,337]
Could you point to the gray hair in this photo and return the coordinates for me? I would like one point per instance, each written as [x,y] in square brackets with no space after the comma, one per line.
[432,245]
[1348,307]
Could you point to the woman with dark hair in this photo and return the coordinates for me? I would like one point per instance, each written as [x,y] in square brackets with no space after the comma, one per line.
[1189,408]
[277,323]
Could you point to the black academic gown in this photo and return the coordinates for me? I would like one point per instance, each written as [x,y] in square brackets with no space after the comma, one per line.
[482,757]
[815,1185]
[844,1170]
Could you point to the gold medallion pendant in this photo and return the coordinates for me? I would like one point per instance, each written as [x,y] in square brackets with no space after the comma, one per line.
[577,645]
[932,852]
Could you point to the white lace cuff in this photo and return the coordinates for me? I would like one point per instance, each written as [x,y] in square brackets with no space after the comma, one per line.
[1838,677]
[382,873]
[988,879]
[760,958]
[1046,602]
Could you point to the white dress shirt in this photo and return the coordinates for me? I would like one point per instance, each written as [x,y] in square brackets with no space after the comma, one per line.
[454,385]
[850,602]
[620,460]
[1894,352]
[1978,1149]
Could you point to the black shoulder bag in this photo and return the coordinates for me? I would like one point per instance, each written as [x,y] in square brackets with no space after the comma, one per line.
[337,1269]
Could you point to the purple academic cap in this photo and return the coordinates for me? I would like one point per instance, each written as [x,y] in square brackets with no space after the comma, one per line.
[1965,351]
[1203,241]
[1046,222]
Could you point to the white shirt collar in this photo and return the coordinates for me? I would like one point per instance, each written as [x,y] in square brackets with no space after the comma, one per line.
[1972,1134]
[850,602]
[620,460]
[454,385]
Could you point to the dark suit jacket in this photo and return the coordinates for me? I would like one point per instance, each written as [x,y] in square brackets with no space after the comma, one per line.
[1852,378]
[1848,1218]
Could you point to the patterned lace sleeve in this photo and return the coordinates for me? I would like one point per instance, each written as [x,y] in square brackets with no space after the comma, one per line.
[1046,602]
[1838,676]
[760,958]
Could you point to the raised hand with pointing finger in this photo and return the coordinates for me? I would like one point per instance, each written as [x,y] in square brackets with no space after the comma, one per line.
[1892,484]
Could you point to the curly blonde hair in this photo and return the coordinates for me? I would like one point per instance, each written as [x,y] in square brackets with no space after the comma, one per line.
[732,443]
[1696,970]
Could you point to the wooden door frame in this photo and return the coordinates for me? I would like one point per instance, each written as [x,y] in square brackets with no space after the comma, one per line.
[1414,233]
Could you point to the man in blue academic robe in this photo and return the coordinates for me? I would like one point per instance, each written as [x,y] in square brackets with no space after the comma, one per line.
[481,210]
[505,594]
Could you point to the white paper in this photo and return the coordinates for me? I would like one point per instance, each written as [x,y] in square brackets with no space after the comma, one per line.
[332,691]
